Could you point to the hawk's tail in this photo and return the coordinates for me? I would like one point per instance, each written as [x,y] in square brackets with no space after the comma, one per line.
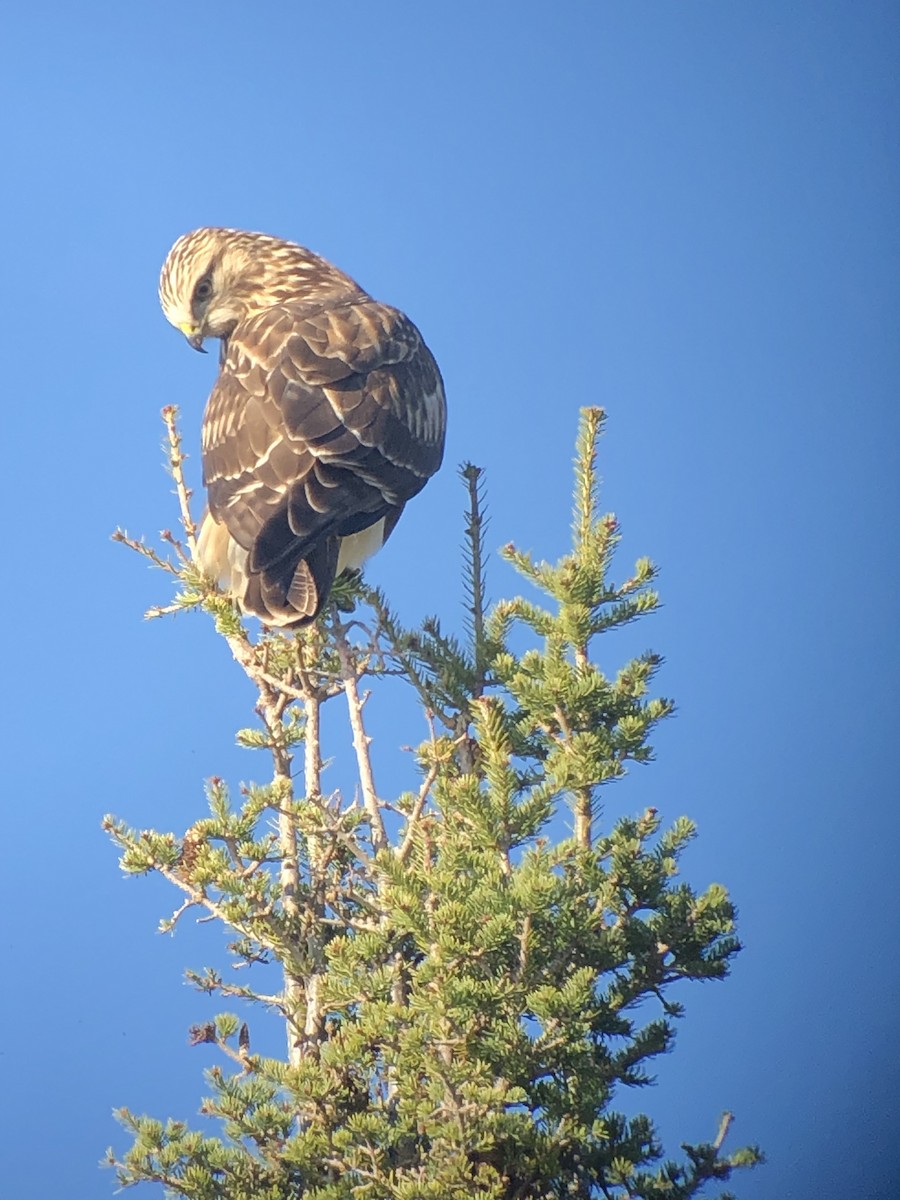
[293,592]
[285,594]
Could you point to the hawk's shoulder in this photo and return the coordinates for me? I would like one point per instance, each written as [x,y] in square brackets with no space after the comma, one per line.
[326,343]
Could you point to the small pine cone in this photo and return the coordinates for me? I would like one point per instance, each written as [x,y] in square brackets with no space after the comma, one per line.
[190,847]
[197,1034]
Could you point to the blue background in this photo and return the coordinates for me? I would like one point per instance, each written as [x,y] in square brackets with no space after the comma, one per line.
[684,212]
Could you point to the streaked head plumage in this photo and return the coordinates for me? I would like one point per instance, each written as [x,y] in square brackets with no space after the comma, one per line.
[215,277]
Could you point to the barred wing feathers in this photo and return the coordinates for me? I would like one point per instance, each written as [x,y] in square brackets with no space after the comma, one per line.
[323,423]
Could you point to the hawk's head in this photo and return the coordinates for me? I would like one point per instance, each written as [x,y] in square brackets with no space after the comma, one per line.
[213,278]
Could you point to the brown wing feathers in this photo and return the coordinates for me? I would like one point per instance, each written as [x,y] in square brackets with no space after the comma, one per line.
[322,423]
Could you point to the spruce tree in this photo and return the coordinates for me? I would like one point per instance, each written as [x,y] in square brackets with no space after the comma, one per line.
[471,970]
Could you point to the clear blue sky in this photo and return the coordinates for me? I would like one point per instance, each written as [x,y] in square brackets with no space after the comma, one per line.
[684,212]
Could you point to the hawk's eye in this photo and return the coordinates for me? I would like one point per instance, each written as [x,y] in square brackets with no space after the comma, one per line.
[203,290]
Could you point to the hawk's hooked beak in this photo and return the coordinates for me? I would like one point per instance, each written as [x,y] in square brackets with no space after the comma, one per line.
[193,336]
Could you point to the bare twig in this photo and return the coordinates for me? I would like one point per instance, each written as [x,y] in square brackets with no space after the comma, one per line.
[141,547]
[724,1126]
[412,824]
[163,610]
[200,898]
[176,466]
[239,1056]
[361,740]
[168,926]
[236,990]
[524,945]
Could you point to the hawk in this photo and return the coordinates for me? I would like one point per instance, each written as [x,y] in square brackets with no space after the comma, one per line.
[328,414]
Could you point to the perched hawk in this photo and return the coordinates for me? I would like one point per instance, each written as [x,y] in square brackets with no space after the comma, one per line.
[327,416]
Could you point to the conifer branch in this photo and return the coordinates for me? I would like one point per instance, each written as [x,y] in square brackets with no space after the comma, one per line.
[163,610]
[585,497]
[309,990]
[212,982]
[582,797]
[199,897]
[350,674]
[473,568]
[400,645]
[285,687]
[176,468]
[273,702]
[168,925]
[140,547]
[584,818]
[404,849]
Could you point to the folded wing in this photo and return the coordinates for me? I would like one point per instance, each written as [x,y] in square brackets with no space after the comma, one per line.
[322,424]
